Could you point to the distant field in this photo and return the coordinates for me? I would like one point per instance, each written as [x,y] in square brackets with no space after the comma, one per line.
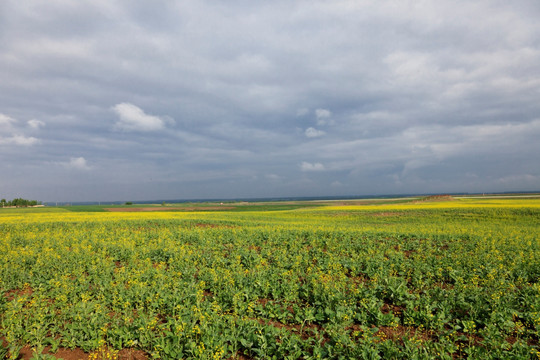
[424,278]
[209,206]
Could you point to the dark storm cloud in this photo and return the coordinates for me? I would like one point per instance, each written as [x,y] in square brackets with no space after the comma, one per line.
[129,99]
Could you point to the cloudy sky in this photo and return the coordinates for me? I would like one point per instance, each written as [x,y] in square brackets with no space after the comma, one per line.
[138,100]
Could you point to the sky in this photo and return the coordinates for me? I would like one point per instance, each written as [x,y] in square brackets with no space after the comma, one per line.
[138,100]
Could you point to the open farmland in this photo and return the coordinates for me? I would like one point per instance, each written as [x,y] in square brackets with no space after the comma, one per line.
[445,279]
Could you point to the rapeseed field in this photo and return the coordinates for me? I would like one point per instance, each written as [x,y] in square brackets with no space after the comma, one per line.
[416,280]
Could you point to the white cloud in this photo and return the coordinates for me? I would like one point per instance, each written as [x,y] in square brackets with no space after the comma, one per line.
[19,140]
[133,118]
[8,127]
[323,116]
[78,163]
[6,121]
[313,133]
[323,113]
[36,124]
[305,166]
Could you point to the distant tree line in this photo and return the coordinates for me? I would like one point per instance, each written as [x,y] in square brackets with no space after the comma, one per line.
[19,202]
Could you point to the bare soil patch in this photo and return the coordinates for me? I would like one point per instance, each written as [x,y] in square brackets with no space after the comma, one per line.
[12,294]
[240,356]
[390,308]
[399,332]
[27,353]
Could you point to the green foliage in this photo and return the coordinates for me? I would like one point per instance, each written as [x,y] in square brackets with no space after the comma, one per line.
[317,283]
[19,202]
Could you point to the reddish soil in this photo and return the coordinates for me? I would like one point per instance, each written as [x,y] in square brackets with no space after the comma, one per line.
[263,301]
[11,294]
[77,354]
[395,309]
[408,253]
[160,265]
[357,278]
[169,208]
[395,333]
[240,356]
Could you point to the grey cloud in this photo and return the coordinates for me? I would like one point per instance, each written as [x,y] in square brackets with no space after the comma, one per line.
[306,166]
[36,124]
[407,95]
[313,133]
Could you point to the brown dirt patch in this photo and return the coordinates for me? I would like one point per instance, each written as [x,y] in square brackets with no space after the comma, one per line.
[12,294]
[170,208]
[160,265]
[263,301]
[396,333]
[444,285]
[132,354]
[26,353]
[240,356]
[357,278]
[408,253]
[395,309]
[62,353]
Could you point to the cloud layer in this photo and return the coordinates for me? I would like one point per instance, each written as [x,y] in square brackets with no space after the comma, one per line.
[195,99]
